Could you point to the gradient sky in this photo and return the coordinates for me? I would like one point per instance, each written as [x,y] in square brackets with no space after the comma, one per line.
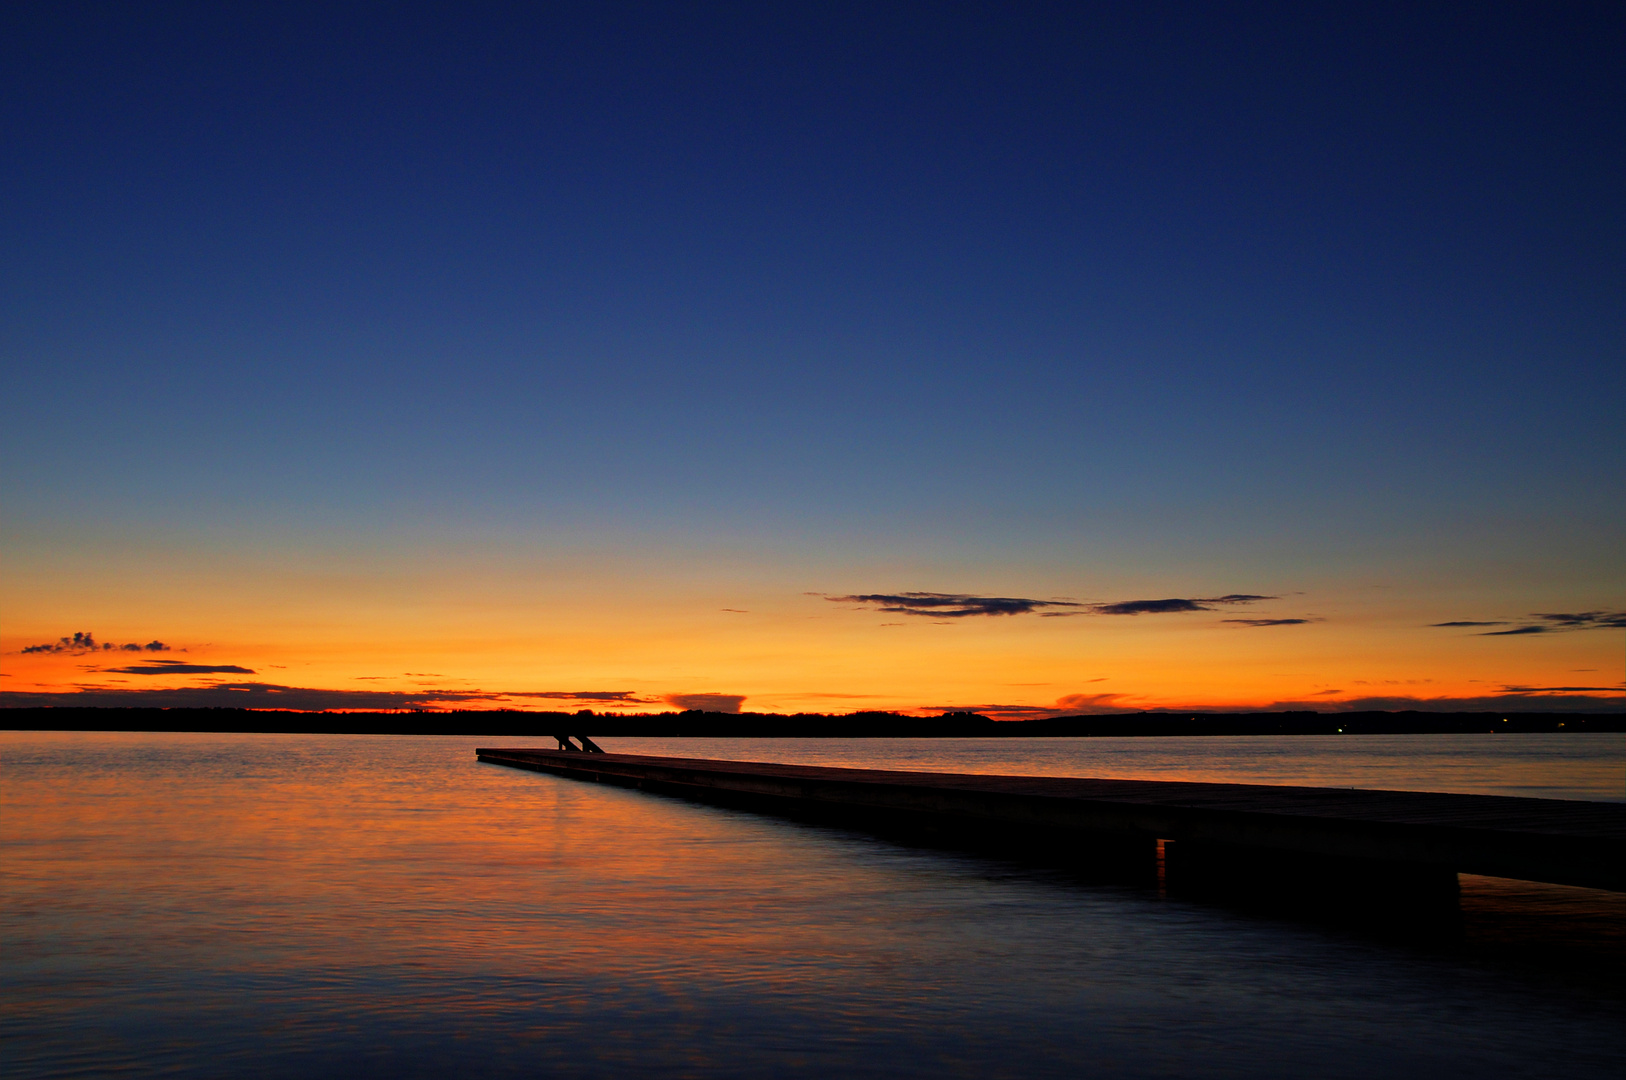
[387,355]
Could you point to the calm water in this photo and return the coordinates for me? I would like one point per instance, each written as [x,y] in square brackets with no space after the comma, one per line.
[206,905]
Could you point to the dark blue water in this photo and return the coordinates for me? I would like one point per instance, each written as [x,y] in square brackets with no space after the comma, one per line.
[197,905]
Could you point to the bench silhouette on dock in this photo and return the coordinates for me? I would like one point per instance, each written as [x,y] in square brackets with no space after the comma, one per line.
[1408,839]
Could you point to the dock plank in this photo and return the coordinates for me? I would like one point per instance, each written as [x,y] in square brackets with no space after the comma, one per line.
[1552,840]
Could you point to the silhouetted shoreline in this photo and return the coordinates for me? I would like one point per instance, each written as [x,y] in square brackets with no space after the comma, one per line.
[801,725]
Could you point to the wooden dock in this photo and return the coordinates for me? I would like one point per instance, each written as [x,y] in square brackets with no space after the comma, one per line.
[1394,834]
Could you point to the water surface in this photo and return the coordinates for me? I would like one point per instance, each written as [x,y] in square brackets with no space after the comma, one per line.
[206,905]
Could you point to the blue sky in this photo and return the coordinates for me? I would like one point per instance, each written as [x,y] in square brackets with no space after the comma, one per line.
[1041,299]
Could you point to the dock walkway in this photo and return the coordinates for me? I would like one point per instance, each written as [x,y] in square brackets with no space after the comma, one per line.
[1549,840]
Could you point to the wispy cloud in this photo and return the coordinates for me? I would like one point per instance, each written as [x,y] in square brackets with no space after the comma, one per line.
[1537,699]
[1562,689]
[723,703]
[177,667]
[246,695]
[1549,622]
[1175,605]
[950,605]
[1094,703]
[961,605]
[1510,699]
[627,697]
[84,642]
[261,695]
[1150,607]
[1586,620]
[1067,705]
[1269,622]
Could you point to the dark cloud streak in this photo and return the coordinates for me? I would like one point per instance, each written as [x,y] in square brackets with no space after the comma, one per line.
[84,643]
[1562,689]
[962,605]
[1586,620]
[723,703]
[175,667]
[1549,622]
[1175,605]
[626,696]
[950,605]
[1511,702]
[259,695]
[1149,607]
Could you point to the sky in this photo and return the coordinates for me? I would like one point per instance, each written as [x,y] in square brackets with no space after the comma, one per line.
[1037,359]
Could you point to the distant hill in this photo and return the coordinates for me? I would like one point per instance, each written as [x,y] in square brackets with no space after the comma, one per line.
[508,724]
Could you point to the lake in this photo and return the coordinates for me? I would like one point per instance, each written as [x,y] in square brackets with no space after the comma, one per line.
[296,905]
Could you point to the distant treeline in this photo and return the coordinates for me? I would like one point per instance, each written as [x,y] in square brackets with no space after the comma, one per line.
[508,724]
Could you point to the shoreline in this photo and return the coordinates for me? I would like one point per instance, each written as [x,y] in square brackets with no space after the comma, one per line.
[698,724]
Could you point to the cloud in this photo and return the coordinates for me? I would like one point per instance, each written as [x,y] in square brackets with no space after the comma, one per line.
[617,696]
[1268,622]
[996,712]
[950,605]
[1066,705]
[1561,689]
[176,667]
[1586,620]
[1550,622]
[245,695]
[723,703]
[256,695]
[1511,699]
[1093,704]
[1149,607]
[1174,606]
[801,696]
[960,605]
[1505,702]
[84,642]
[259,695]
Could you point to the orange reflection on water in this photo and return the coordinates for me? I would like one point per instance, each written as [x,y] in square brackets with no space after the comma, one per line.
[190,904]
[328,863]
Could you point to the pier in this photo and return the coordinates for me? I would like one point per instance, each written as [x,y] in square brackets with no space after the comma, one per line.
[1199,832]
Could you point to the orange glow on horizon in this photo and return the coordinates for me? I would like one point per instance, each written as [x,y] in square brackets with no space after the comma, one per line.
[805,654]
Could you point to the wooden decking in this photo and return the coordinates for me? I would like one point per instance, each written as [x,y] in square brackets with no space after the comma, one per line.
[1550,840]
